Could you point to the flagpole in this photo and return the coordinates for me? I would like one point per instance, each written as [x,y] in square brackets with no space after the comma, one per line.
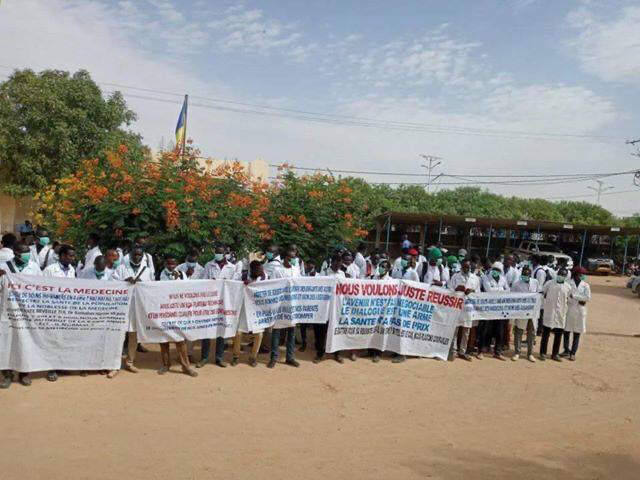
[186,111]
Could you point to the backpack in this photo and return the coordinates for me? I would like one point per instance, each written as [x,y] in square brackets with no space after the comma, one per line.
[547,276]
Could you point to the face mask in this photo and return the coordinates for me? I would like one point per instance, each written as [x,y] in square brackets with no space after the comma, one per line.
[191,264]
[560,279]
[455,268]
[381,271]
[228,256]
[439,262]
[43,241]
[219,257]
[269,255]
[404,263]
[495,275]
[99,274]
[524,278]
[135,265]
[25,257]
[116,263]
[583,278]
[293,261]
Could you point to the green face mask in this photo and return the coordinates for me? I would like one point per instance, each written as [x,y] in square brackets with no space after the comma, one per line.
[439,262]
[43,241]
[116,263]
[404,263]
[99,274]
[583,278]
[495,275]
[381,271]
[269,255]
[219,257]
[524,278]
[294,261]
[25,257]
[560,279]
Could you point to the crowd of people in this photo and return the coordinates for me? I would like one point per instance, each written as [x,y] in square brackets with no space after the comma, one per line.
[565,294]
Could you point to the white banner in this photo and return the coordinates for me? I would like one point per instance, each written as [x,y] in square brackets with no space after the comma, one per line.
[62,324]
[173,311]
[287,302]
[500,306]
[400,316]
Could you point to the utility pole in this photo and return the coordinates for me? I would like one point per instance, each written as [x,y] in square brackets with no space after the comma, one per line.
[433,163]
[600,189]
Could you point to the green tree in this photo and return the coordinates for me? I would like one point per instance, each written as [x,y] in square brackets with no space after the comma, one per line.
[50,121]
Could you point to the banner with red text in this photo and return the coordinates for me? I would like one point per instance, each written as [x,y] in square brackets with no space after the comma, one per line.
[173,311]
[62,323]
[409,318]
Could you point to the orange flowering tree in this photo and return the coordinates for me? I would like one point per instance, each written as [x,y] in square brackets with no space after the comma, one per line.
[173,200]
[314,212]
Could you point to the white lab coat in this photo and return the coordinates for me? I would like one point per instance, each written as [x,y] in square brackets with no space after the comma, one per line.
[577,314]
[489,284]
[46,255]
[470,282]
[147,260]
[409,274]
[198,270]
[6,254]
[353,270]
[32,268]
[165,275]
[125,271]
[273,268]
[213,271]
[90,257]
[292,272]
[361,263]
[56,270]
[433,273]
[512,275]
[556,304]
[525,287]
[328,272]
[90,273]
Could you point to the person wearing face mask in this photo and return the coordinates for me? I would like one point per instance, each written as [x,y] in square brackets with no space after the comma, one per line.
[289,272]
[23,264]
[273,264]
[462,254]
[191,268]
[42,250]
[408,267]
[525,284]
[171,273]
[334,269]
[493,281]
[217,269]
[453,263]
[383,272]
[93,250]
[112,259]
[133,271]
[577,313]
[97,271]
[467,282]
[556,304]
[310,272]
[297,261]
[434,273]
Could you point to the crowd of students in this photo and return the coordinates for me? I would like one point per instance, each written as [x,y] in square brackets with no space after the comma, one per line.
[565,294]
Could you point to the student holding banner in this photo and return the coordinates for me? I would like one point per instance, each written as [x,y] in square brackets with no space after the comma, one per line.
[383,273]
[467,282]
[21,263]
[170,273]
[556,304]
[255,274]
[191,268]
[523,284]
[132,271]
[493,281]
[289,271]
[217,269]
[320,329]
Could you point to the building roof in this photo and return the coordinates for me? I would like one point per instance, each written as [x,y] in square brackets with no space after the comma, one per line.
[407,218]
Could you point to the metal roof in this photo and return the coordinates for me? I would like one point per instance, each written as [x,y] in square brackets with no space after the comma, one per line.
[407,218]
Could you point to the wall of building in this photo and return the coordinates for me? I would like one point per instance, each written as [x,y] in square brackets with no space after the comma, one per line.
[13,212]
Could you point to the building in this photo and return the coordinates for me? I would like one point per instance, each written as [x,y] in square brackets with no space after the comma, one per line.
[14,211]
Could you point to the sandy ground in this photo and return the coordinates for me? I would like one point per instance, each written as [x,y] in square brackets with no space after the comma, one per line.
[421,419]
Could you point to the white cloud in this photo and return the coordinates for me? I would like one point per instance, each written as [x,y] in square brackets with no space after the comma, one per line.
[607,45]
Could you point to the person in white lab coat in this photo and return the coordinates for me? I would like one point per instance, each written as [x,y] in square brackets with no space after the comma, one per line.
[142,241]
[383,272]
[133,271]
[42,250]
[8,242]
[217,269]
[360,259]
[273,264]
[556,305]
[191,268]
[350,269]
[408,268]
[493,281]
[97,271]
[93,250]
[525,284]
[577,313]
[23,264]
[289,271]
[63,268]
[433,275]
[171,273]
[467,282]
[334,269]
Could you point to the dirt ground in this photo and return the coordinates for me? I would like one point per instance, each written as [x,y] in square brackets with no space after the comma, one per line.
[421,419]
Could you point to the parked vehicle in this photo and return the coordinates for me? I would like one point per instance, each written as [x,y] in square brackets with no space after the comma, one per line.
[601,265]
[530,247]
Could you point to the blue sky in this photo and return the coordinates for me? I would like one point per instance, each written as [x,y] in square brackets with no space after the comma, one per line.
[477,70]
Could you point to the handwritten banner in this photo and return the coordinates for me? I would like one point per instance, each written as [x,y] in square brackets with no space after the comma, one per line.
[62,324]
[187,310]
[287,302]
[408,318]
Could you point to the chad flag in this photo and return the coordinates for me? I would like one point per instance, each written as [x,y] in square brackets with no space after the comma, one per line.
[181,126]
